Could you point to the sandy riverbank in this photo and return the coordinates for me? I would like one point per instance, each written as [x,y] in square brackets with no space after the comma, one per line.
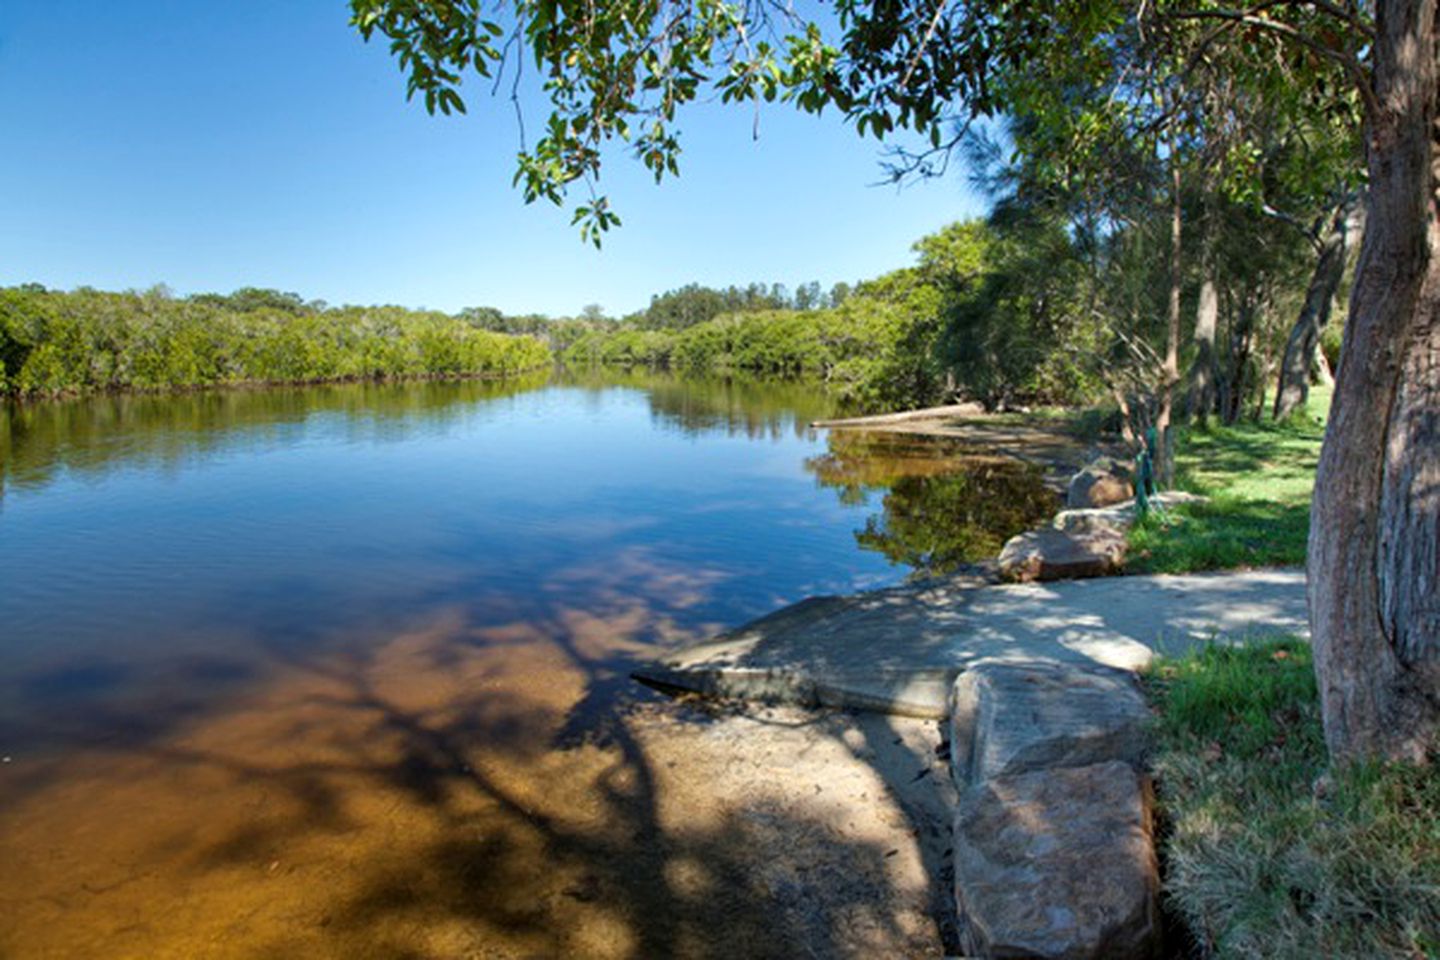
[1042,441]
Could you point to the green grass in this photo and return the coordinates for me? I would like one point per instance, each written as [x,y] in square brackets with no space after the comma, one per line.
[1265,855]
[1258,476]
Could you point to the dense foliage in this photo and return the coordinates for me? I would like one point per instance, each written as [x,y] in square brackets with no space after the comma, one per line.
[694,303]
[56,343]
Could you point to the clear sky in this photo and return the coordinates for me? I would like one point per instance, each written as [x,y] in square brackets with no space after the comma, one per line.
[213,145]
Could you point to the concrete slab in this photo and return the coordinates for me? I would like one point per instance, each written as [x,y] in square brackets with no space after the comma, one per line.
[898,650]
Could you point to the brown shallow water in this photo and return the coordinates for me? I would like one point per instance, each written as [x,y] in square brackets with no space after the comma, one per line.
[410,801]
[346,675]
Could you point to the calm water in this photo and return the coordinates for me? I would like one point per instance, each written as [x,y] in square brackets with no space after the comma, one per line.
[236,625]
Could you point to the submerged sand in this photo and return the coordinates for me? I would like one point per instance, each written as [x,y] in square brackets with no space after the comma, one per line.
[448,794]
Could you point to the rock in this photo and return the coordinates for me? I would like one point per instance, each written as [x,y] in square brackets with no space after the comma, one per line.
[1097,522]
[1051,554]
[1058,864]
[1103,481]
[1115,519]
[1012,718]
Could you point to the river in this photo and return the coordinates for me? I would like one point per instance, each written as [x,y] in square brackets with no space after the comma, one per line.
[344,671]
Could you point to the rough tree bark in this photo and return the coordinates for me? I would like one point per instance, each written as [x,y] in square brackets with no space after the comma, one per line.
[1170,370]
[1303,345]
[1204,371]
[1375,526]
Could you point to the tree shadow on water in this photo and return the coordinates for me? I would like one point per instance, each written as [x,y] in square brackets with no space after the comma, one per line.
[483,788]
[505,875]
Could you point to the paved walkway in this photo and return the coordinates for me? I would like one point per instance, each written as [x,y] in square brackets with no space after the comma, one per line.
[899,650]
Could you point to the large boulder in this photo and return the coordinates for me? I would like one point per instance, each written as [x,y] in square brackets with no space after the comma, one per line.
[1102,482]
[1058,864]
[1010,718]
[1051,554]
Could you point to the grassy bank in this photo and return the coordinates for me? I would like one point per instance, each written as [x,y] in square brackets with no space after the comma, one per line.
[1264,855]
[1258,476]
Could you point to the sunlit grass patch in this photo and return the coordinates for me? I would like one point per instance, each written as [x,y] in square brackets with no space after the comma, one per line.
[1267,853]
[1259,478]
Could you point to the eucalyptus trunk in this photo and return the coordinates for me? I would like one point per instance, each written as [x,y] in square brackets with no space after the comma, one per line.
[1205,369]
[1303,345]
[1170,370]
[1374,558]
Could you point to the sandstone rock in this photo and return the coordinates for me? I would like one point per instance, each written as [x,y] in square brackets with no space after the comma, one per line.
[1011,718]
[1058,864]
[1115,519]
[1098,522]
[1050,554]
[1102,482]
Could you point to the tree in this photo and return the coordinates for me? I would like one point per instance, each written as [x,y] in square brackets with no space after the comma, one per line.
[622,70]
[1374,558]
[1303,346]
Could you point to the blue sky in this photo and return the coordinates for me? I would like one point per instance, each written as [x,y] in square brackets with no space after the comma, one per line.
[216,145]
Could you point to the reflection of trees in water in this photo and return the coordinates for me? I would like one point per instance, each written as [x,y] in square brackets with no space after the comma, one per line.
[945,504]
[93,435]
[735,405]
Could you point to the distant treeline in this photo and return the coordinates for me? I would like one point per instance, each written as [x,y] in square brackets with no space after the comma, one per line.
[857,347]
[672,310]
[1017,309]
[973,318]
[82,341]
[55,342]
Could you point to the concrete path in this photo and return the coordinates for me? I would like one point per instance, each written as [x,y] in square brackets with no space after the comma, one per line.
[899,650]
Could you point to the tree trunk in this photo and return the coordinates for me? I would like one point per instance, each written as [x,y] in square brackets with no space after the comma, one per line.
[1304,343]
[1203,371]
[1237,382]
[1170,371]
[1320,373]
[1374,559]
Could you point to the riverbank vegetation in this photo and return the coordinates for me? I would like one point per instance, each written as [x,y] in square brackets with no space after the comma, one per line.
[1267,850]
[54,343]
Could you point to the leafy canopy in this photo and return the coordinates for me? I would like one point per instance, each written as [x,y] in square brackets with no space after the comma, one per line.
[619,73]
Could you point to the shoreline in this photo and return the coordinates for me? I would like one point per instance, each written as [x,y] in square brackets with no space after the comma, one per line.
[904,416]
[185,389]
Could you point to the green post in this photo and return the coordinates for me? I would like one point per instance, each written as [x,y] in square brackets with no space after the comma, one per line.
[1145,474]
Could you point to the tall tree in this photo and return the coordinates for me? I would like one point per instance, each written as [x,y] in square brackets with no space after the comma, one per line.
[1374,564]
[1303,345]
[623,69]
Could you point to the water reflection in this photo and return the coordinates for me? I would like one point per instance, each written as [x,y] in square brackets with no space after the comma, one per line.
[739,404]
[91,435]
[88,436]
[944,504]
